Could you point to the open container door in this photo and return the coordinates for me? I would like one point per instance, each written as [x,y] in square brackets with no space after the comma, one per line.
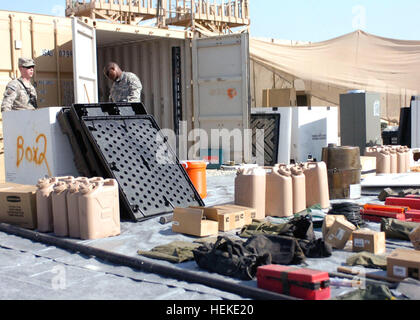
[222,94]
[84,63]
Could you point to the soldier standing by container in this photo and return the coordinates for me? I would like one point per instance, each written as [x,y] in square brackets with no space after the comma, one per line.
[126,87]
[20,94]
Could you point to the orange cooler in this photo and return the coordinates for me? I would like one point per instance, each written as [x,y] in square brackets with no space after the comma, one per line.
[196,170]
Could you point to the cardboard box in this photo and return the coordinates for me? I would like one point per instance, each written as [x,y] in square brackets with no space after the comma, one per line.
[415,238]
[369,240]
[368,166]
[339,233]
[18,205]
[194,221]
[329,221]
[279,97]
[250,213]
[266,98]
[404,263]
[229,217]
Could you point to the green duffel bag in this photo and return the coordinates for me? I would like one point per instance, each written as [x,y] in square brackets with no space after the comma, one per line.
[397,229]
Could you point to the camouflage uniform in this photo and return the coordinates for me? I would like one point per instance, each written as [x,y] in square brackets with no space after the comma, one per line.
[126,89]
[16,97]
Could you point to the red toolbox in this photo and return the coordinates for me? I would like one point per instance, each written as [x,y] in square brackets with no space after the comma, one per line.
[376,216]
[413,215]
[300,283]
[412,203]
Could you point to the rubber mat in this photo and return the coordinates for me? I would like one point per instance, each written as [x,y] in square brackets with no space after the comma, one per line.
[270,123]
[133,151]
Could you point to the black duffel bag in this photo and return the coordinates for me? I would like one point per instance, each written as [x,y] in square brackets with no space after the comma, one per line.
[282,249]
[230,258]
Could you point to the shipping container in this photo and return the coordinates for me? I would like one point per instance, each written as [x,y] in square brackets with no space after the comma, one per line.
[188,82]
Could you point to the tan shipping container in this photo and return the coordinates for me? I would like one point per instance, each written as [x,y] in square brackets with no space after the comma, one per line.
[145,51]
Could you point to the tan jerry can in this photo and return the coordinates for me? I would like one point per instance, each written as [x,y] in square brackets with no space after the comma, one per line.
[95,179]
[317,191]
[383,162]
[401,159]
[83,180]
[99,211]
[407,159]
[73,209]
[45,188]
[59,209]
[250,189]
[65,179]
[279,192]
[299,189]
[383,159]
[394,160]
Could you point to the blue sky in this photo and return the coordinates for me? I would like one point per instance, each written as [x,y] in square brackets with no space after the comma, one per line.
[306,20]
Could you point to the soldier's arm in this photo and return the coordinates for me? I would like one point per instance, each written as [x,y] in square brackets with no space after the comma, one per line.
[135,90]
[9,98]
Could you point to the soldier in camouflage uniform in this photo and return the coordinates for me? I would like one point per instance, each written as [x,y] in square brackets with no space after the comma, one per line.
[20,94]
[126,87]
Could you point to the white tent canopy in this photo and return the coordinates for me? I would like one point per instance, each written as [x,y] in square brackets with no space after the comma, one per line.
[356,60]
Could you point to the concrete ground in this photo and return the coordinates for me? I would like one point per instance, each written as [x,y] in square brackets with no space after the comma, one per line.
[32,270]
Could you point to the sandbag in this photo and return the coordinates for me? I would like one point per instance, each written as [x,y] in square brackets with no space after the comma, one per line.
[368,260]
[372,292]
[175,252]
[396,229]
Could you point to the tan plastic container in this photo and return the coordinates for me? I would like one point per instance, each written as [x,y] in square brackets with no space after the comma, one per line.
[96,179]
[394,160]
[316,184]
[59,209]
[99,211]
[299,189]
[401,160]
[250,189]
[44,204]
[383,162]
[279,192]
[73,208]
[65,179]
[383,159]
[407,159]
[83,180]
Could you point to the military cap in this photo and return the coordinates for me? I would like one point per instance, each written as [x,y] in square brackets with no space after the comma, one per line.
[26,62]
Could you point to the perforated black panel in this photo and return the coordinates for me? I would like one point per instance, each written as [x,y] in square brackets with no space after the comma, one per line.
[136,154]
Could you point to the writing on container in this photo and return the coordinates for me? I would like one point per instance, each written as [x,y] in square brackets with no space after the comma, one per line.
[36,153]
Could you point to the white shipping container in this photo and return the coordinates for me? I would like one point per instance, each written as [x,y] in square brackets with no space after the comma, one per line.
[313,128]
[35,147]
